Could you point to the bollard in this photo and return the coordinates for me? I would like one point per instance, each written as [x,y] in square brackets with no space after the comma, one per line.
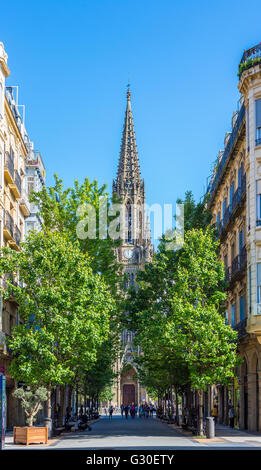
[48,423]
[210,427]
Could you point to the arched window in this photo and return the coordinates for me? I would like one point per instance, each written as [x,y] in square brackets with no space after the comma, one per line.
[128,223]
[132,279]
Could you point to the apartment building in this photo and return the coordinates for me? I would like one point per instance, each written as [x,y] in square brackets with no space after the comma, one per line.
[235,201]
[21,170]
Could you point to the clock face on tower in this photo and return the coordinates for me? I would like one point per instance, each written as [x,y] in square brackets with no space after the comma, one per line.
[128,253]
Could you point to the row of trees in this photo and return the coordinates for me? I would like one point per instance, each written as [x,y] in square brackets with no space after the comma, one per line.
[177,314]
[68,292]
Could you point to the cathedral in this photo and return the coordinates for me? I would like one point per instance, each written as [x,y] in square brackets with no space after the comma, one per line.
[135,250]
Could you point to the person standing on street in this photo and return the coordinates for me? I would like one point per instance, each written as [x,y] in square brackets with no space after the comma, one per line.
[110,412]
[126,410]
[132,411]
[214,413]
[122,410]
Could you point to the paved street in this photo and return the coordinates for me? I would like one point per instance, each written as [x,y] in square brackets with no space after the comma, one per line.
[120,433]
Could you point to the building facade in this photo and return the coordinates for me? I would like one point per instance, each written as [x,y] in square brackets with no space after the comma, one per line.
[15,169]
[136,249]
[235,202]
[34,181]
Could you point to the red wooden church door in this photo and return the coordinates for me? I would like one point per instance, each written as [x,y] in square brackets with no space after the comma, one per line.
[128,394]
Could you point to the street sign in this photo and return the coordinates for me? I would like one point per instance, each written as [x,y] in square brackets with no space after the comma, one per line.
[2,412]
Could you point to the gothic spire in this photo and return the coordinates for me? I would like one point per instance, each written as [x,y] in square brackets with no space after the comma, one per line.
[128,167]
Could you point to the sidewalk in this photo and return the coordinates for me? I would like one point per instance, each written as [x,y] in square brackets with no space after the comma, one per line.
[225,435]
[9,439]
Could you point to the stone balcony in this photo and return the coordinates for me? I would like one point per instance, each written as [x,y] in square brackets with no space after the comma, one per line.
[254,326]
[24,205]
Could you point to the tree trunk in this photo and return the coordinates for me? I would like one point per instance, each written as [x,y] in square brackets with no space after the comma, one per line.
[61,406]
[76,400]
[54,406]
[49,402]
[200,413]
[30,420]
[69,398]
[177,407]
[189,405]
[85,402]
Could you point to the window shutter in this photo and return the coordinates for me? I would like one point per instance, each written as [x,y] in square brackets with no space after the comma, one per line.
[233,308]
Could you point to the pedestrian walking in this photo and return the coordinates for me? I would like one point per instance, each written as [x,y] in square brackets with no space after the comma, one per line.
[122,410]
[132,411]
[126,411]
[231,415]
[214,413]
[110,412]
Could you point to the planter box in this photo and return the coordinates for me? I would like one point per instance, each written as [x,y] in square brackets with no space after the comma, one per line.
[30,435]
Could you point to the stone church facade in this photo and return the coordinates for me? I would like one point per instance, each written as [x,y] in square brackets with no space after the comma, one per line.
[136,249]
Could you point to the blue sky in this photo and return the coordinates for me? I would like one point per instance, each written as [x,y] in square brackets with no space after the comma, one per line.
[72,61]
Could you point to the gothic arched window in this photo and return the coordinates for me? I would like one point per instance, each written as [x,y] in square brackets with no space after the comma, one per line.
[128,219]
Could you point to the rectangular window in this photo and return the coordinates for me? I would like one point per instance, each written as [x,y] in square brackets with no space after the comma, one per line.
[241,240]
[240,175]
[242,307]
[233,315]
[232,252]
[258,122]
[258,282]
[224,206]
[231,194]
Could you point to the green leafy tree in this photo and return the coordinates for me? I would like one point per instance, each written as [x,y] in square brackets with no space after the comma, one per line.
[65,309]
[31,400]
[178,310]
[68,209]
[196,215]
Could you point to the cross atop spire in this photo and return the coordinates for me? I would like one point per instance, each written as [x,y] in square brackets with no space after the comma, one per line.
[128,167]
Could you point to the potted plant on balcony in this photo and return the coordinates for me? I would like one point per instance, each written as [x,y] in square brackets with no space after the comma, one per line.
[31,400]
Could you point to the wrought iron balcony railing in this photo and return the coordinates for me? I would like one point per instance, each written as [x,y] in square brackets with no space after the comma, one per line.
[227,274]
[250,58]
[226,217]
[239,262]
[241,328]
[236,198]
[252,53]
[17,235]
[18,181]
[9,163]
[9,223]
[214,182]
